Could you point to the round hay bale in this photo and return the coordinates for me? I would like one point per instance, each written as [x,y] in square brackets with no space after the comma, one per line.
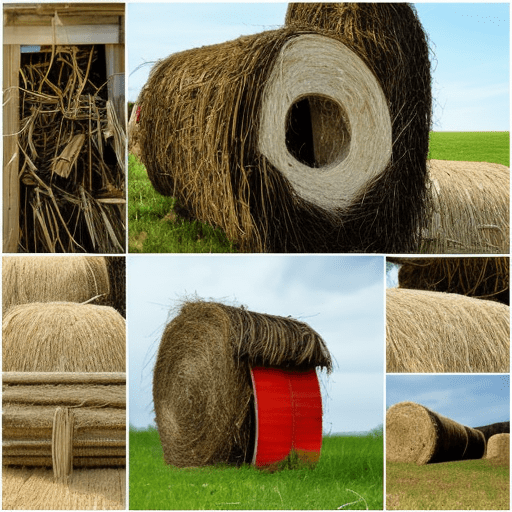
[445,332]
[28,279]
[202,389]
[470,208]
[63,337]
[417,434]
[390,39]
[273,138]
[484,278]
[498,448]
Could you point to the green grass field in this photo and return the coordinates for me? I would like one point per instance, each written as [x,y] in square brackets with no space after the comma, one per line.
[155,226]
[461,485]
[349,475]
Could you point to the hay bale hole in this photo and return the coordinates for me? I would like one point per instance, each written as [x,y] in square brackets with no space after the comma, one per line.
[64,392]
[418,435]
[202,378]
[299,162]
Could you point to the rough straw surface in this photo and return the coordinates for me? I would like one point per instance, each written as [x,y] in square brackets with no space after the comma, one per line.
[445,332]
[202,389]
[391,40]
[28,279]
[498,449]
[63,336]
[483,278]
[470,208]
[201,122]
[418,435]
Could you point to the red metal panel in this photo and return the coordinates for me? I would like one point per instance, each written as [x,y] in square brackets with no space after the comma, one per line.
[288,415]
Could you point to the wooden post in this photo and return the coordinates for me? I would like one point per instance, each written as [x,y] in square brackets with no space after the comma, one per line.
[11,185]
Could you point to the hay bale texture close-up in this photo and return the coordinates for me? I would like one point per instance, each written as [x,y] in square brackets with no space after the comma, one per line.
[202,391]
[309,138]
[28,279]
[63,337]
[484,278]
[435,332]
[415,434]
[470,208]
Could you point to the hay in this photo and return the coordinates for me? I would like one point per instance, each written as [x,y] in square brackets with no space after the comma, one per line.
[202,388]
[503,427]
[72,179]
[47,279]
[470,208]
[392,42]
[445,332]
[498,448]
[204,123]
[418,435]
[62,336]
[484,278]
[116,266]
[62,444]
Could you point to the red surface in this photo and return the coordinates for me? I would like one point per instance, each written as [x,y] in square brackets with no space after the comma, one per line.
[288,415]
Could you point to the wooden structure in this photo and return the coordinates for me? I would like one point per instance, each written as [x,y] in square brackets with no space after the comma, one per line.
[52,24]
[64,419]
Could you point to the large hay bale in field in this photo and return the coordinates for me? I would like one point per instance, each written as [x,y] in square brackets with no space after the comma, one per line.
[502,427]
[484,278]
[470,208]
[63,337]
[498,448]
[202,390]
[445,332]
[28,279]
[418,435]
[296,139]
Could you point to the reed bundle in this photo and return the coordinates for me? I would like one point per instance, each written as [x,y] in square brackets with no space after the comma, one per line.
[63,336]
[62,444]
[72,192]
[202,389]
[484,278]
[28,279]
[445,332]
[418,435]
[470,208]
[273,137]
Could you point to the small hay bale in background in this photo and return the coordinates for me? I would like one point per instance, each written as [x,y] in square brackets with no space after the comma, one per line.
[470,208]
[498,449]
[202,390]
[484,278]
[260,137]
[503,427]
[28,279]
[63,336]
[418,435]
[445,332]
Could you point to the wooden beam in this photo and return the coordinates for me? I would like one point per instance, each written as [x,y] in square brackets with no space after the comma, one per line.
[11,123]
[63,35]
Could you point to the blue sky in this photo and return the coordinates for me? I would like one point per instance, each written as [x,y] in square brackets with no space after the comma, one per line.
[469,42]
[473,400]
[341,297]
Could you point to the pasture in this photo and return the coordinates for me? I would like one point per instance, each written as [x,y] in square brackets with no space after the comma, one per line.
[349,475]
[462,485]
